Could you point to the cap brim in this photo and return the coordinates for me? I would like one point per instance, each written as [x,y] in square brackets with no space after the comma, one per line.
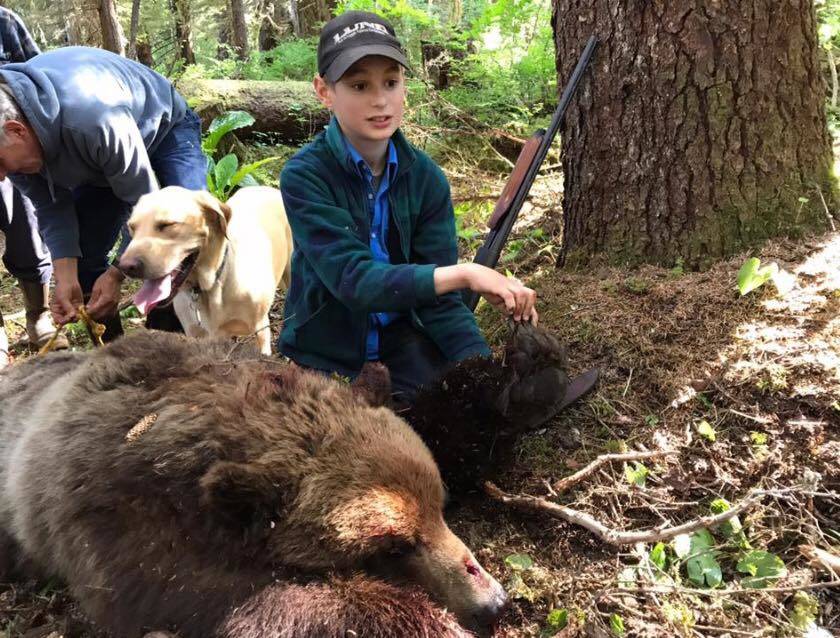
[347,59]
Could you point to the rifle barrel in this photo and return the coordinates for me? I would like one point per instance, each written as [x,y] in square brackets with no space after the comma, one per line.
[490,252]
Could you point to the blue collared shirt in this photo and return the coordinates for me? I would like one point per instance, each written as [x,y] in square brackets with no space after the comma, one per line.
[380,212]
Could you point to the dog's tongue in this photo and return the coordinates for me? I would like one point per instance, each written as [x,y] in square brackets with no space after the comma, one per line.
[152,292]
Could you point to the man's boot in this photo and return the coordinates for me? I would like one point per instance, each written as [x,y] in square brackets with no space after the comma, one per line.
[4,345]
[39,325]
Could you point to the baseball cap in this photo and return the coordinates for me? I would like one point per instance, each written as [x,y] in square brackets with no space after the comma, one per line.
[353,35]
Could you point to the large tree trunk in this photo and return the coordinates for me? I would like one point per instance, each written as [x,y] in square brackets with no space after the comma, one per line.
[697,131]
[112,35]
[288,110]
[183,29]
[239,28]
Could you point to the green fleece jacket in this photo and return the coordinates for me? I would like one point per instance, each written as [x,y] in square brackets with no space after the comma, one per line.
[336,283]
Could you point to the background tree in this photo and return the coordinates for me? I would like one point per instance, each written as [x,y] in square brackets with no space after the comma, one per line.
[700,130]
[239,28]
[183,29]
[311,15]
[112,34]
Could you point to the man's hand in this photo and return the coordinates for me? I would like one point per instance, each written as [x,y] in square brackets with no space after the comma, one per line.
[507,294]
[68,293]
[105,296]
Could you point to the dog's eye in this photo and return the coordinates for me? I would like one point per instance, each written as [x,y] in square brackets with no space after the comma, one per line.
[161,226]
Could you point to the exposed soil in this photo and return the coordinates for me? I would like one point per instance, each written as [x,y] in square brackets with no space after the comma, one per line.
[675,349]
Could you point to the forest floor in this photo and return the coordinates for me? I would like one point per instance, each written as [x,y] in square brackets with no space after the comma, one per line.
[738,393]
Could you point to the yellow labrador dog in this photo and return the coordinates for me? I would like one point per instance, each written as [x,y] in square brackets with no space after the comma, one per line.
[218,263]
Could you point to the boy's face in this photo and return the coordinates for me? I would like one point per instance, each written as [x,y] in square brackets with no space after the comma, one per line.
[368,100]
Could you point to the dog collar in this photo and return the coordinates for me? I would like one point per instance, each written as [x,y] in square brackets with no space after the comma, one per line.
[219,271]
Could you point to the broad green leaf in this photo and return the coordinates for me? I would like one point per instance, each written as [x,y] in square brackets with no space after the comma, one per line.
[225,169]
[557,619]
[752,275]
[658,556]
[763,568]
[248,180]
[519,562]
[223,125]
[701,564]
[636,474]
[705,430]
[617,625]
[250,168]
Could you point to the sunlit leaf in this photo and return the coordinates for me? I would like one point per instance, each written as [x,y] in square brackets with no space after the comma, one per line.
[702,565]
[763,568]
[519,562]
[617,625]
[705,429]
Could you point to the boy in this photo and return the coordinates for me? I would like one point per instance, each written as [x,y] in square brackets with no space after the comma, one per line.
[374,272]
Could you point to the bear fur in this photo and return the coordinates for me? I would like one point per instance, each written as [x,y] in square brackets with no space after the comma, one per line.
[194,487]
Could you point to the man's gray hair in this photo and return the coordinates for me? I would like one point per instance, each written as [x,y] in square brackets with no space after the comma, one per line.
[9,110]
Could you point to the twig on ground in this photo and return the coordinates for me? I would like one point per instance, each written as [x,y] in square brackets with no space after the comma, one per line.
[821,558]
[565,483]
[617,537]
[825,206]
[666,589]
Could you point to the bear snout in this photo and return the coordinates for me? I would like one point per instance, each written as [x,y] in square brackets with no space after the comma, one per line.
[486,616]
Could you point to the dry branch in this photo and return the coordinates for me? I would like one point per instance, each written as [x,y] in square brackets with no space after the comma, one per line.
[565,483]
[666,589]
[612,536]
[821,558]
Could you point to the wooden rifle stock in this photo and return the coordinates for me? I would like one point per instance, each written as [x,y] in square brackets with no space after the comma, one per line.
[524,173]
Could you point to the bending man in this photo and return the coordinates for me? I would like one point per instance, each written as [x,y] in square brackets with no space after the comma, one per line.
[85,133]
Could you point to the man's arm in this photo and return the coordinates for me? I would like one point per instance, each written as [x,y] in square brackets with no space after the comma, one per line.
[324,233]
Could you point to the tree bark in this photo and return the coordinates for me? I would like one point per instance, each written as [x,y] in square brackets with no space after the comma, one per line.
[312,14]
[132,30]
[275,24]
[112,35]
[183,29]
[288,110]
[239,28]
[696,131]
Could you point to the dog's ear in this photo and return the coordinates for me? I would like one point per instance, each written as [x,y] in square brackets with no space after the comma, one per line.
[217,214]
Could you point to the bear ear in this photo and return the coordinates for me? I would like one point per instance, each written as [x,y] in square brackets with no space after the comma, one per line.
[239,492]
[377,516]
[373,385]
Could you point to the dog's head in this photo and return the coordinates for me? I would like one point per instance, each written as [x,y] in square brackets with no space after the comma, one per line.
[168,230]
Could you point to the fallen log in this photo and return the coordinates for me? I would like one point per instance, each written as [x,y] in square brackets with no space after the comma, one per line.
[289,110]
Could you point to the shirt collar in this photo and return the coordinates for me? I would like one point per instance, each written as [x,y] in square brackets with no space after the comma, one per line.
[361,165]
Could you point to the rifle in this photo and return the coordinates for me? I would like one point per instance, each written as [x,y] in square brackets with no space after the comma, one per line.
[524,173]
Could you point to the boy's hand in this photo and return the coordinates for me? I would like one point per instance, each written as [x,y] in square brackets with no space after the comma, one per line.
[508,294]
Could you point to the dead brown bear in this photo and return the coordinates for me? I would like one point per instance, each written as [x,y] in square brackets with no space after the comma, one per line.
[195,487]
